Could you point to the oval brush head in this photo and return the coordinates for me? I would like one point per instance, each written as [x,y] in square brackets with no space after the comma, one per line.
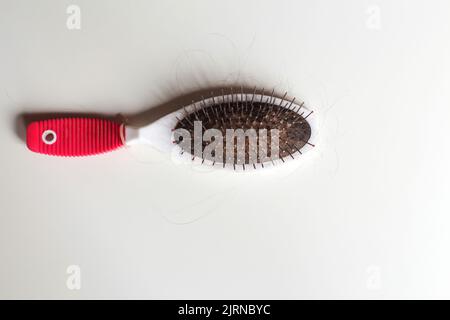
[244,130]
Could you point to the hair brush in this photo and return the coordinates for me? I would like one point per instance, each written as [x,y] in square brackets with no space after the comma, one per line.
[234,130]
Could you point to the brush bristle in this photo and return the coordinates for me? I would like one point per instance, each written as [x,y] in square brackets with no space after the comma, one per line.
[250,113]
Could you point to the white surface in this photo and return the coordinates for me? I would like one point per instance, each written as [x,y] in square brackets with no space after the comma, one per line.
[369,217]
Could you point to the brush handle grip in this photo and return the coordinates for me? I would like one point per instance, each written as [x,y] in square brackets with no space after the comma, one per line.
[74,136]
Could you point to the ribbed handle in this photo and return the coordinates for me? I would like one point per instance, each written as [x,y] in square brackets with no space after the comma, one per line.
[74,136]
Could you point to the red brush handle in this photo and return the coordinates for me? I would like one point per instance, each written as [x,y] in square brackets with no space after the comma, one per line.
[74,136]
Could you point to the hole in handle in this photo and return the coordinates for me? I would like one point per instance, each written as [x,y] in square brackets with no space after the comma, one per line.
[49,137]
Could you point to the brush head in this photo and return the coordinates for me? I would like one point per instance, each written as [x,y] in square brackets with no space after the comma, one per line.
[243,130]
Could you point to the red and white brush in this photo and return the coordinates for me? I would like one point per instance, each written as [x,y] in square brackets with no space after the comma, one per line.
[241,112]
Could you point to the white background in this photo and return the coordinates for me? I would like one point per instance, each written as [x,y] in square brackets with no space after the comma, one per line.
[368,217]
